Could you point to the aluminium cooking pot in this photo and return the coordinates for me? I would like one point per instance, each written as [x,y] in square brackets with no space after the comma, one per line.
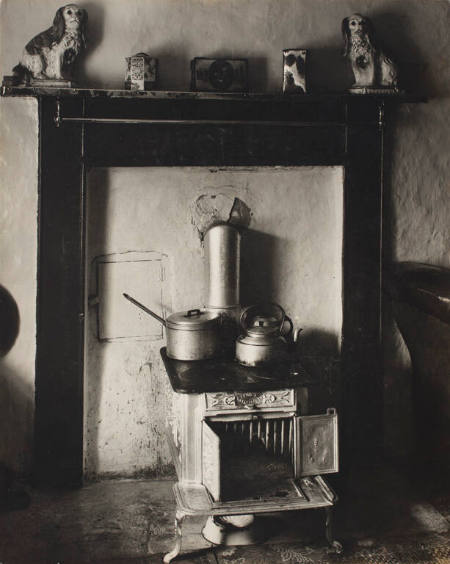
[264,337]
[191,335]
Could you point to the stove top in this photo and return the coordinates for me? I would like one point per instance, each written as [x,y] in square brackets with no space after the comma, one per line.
[217,375]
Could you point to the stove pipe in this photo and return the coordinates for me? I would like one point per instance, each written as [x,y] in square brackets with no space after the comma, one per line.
[222,250]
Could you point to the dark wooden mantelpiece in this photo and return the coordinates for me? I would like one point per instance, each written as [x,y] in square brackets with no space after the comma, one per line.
[121,128]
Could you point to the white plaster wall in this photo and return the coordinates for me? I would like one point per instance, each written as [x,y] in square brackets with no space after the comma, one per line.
[420,183]
[175,31]
[18,255]
[292,255]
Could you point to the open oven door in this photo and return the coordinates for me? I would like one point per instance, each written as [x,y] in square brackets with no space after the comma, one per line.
[211,461]
[316,444]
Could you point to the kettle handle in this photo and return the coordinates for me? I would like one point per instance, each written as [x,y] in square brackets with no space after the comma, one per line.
[245,315]
[291,326]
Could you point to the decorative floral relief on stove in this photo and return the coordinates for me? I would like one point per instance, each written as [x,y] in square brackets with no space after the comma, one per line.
[249,400]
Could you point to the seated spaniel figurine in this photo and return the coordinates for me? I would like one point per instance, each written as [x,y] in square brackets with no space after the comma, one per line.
[370,66]
[52,53]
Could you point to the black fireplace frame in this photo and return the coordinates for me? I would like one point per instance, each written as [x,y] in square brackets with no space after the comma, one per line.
[81,129]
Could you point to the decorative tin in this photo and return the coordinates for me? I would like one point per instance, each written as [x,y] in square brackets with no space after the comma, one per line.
[141,72]
[222,75]
[294,71]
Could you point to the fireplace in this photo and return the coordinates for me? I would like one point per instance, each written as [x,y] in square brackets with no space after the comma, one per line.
[290,253]
[85,129]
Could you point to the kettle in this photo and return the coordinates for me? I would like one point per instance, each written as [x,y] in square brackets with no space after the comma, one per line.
[264,338]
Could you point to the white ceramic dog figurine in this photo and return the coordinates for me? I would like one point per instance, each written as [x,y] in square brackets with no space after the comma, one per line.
[370,66]
[52,53]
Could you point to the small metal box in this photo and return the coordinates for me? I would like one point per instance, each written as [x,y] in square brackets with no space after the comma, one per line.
[294,71]
[141,72]
[221,75]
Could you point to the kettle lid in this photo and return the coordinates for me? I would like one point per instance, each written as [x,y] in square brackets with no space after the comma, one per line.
[263,326]
[263,318]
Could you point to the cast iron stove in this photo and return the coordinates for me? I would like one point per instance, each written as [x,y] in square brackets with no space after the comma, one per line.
[245,443]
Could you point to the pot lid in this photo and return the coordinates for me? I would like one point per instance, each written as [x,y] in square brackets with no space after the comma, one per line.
[192,320]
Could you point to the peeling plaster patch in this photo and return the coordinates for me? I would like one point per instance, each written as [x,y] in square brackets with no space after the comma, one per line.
[216,208]
[147,367]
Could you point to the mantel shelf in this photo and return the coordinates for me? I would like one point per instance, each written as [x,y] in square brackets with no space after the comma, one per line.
[19,91]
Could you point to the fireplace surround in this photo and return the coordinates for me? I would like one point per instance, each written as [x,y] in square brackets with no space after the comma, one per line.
[81,129]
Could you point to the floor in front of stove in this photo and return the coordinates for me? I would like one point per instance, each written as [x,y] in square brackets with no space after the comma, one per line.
[383,518]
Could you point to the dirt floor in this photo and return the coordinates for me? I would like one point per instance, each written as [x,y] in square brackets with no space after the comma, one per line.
[383,517]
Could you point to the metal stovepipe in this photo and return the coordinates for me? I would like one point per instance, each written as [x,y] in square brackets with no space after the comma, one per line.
[222,250]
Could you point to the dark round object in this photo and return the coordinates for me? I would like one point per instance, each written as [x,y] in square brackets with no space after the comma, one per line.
[221,74]
[9,321]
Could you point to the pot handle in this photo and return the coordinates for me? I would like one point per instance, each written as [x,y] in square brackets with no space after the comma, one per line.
[149,311]
[193,312]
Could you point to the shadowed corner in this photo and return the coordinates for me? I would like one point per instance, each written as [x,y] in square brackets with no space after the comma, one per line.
[94,33]
[393,34]
[259,273]
[11,496]
[9,321]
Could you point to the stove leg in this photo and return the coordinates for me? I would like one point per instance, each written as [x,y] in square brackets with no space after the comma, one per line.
[334,545]
[179,517]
